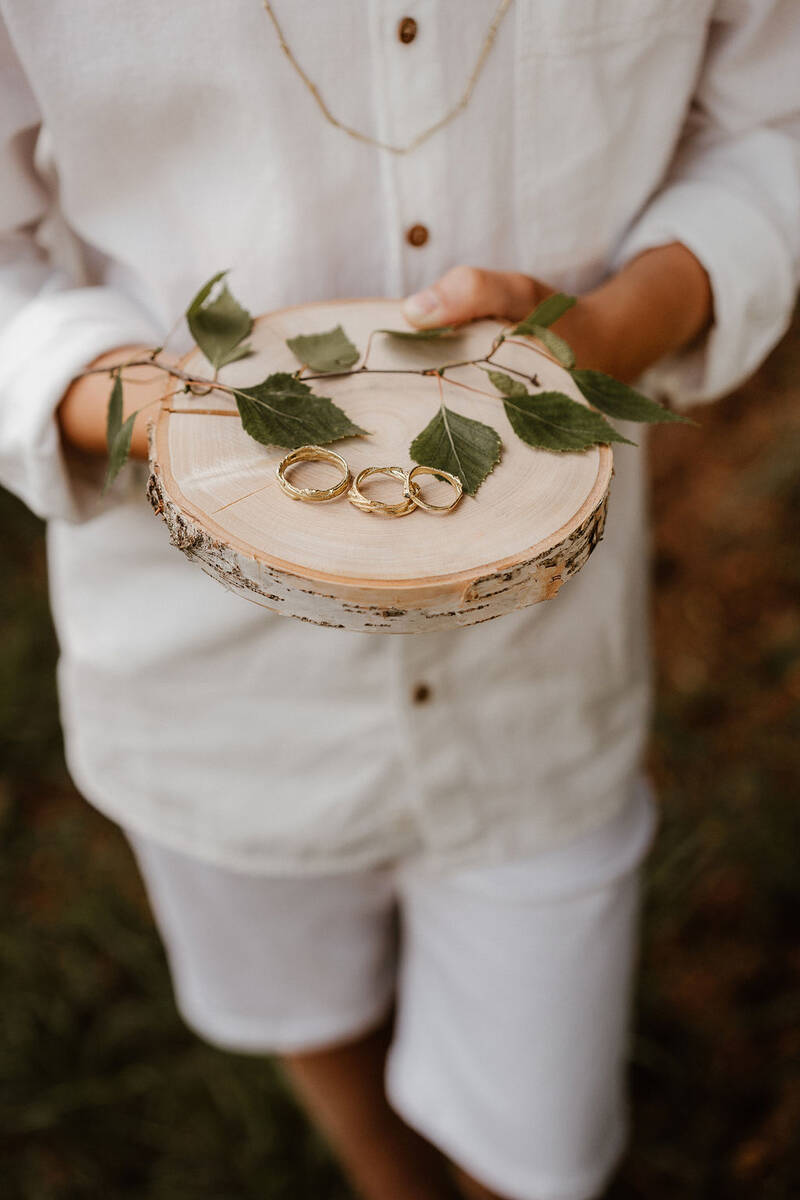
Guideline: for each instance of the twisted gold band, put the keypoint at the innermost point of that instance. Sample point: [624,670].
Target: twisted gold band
[313,454]
[400,509]
[412,496]
[411,490]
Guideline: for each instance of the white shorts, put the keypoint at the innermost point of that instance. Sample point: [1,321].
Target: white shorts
[512,986]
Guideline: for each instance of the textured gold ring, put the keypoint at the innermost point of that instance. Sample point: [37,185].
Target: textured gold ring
[313,454]
[355,496]
[411,490]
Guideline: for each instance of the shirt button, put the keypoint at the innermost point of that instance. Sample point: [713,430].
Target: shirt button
[421,693]
[417,235]
[407,30]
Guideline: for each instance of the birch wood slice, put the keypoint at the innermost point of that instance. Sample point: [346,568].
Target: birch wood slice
[533,523]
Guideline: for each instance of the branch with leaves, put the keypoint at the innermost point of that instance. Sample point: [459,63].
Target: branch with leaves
[283,410]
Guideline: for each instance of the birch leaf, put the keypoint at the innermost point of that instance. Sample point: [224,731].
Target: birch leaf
[283,411]
[618,400]
[219,326]
[560,349]
[119,450]
[239,353]
[331,351]
[114,417]
[205,292]
[421,335]
[546,313]
[506,385]
[466,448]
[553,421]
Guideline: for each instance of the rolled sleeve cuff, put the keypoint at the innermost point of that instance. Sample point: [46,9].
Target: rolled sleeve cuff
[42,349]
[752,282]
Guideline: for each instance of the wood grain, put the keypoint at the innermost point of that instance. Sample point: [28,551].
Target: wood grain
[531,525]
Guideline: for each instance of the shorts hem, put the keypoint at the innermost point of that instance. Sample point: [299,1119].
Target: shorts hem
[587,1185]
[231,1033]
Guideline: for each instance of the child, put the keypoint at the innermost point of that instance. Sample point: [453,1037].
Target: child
[298,797]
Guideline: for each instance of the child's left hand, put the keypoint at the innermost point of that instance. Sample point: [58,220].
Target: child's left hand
[657,303]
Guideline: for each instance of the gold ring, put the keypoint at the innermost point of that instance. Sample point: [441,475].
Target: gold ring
[412,492]
[313,454]
[355,496]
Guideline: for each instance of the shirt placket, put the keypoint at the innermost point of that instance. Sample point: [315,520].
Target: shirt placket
[407,87]
[440,792]
[407,42]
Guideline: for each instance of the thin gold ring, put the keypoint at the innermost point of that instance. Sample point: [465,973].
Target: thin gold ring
[412,492]
[313,454]
[356,497]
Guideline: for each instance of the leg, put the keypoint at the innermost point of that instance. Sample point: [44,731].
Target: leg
[342,1089]
[276,965]
[513,1005]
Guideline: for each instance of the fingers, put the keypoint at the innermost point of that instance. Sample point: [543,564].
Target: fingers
[466,293]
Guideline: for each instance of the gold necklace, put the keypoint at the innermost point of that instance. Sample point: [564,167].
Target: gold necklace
[461,104]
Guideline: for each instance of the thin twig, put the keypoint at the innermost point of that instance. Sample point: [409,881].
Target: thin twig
[468,387]
[204,412]
[175,372]
[134,382]
[539,349]
[533,379]
[209,385]
[363,366]
[372,371]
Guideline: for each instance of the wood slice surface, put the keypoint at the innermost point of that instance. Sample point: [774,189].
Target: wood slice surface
[533,522]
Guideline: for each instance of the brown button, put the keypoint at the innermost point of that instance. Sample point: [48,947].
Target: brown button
[421,693]
[407,30]
[417,235]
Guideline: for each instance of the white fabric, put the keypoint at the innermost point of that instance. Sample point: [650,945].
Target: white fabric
[182,142]
[511,982]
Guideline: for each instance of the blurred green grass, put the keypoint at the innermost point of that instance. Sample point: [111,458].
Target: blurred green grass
[103,1092]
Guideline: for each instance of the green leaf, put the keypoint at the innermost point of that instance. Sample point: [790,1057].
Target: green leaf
[219,325]
[560,349]
[505,384]
[119,449]
[331,351]
[240,352]
[204,293]
[283,411]
[118,436]
[546,312]
[457,444]
[553,421]
[421,335]
[114,417]
[618,400]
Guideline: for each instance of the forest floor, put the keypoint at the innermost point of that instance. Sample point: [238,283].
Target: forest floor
[104,1093]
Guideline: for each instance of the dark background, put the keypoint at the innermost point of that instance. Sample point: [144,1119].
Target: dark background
[103,1093]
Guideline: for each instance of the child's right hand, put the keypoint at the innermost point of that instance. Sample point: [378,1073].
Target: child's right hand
[83,410]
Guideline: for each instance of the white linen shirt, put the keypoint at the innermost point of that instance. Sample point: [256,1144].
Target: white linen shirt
[169,141]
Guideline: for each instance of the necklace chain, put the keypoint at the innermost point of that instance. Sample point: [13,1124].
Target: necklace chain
[458,107]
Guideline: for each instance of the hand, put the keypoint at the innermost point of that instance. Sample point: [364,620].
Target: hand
[657,303]
[83,410]
[467,293]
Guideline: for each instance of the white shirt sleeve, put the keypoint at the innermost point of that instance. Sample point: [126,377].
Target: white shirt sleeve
[732,196]
[49,329]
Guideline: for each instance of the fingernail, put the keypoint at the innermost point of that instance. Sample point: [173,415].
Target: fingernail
[422,306]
